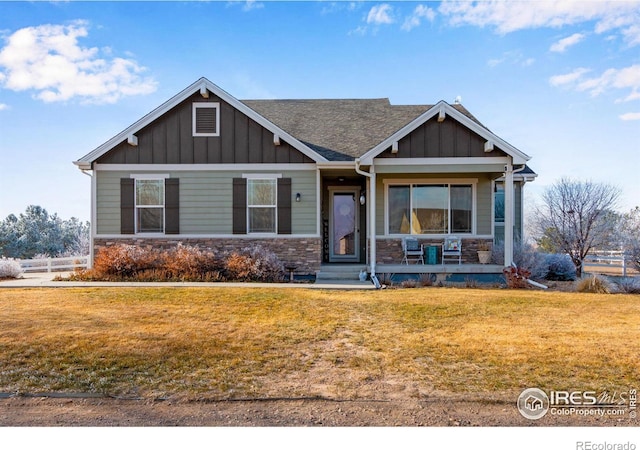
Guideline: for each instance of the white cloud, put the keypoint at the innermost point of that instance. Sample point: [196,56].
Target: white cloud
[507,17]
[49,60]
[563,44]
[3,106]
[250,5]
[414,20]
[627,78]
[250,88]
[630,116]
[568,78]
[514,57]
[380,15]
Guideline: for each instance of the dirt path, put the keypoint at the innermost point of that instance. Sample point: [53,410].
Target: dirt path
[105,412]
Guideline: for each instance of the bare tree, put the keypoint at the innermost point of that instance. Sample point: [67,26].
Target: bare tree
[576,217]
[629,231]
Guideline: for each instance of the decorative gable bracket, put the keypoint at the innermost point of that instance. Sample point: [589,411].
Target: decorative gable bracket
[132,140]
[441,114]
[488,146]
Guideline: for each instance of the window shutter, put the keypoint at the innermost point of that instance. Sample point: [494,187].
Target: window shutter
[127,206]
[172,206]
[239,206]
[284,205]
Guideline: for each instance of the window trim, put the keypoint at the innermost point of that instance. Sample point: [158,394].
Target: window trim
[267,177]
[149,177]
[198,105]
[473,182]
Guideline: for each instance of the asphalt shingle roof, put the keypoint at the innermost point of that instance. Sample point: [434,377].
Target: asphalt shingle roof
[341,129]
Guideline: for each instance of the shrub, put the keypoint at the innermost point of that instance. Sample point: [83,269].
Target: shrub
[409,283]
[524,255]
[595,285]
[629,285]
[10,268]
[516,278]
[188,263]
[634,254]
[123,260]
[556,267]
[254,264]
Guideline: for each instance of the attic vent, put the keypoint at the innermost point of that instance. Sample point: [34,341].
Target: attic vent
[206,119]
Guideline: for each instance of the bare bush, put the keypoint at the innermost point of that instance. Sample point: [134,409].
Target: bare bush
[10,268]
[595,284]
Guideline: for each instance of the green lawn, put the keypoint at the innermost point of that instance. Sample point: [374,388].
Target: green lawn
[236,343]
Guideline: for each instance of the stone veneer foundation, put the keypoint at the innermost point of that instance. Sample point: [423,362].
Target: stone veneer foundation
[303,253]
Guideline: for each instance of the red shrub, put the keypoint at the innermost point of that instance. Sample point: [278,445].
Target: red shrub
[516,278]
[124,261]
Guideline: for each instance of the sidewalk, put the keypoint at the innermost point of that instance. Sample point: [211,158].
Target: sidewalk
[45,280]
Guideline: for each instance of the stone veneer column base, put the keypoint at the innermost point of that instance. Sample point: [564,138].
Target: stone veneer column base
[303,253]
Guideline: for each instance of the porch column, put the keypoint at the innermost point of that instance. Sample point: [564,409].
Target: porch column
[372,218]
[508,213]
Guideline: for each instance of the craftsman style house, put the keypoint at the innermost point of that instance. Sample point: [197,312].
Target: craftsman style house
[316,181]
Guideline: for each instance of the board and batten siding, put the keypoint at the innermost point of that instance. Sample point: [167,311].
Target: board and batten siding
[447,139]
[206,200]
[483,209]
[170,140]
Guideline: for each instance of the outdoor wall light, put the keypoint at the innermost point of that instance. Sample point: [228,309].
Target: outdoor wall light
[298,197]
[363,199]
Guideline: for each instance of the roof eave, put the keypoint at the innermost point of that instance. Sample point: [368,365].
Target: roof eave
[441,109]
[201,85]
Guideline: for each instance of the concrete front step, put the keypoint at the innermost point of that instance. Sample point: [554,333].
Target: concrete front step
[340,272]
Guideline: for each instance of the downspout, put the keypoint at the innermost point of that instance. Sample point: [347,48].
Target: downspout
[371,175]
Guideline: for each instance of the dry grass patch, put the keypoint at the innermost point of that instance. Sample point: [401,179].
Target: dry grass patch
[231,343]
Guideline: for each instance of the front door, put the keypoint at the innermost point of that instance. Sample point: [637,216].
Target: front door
[343,225]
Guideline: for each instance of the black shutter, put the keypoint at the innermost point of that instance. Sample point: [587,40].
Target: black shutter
[127,206]
[239,206]
[284,205]
[172,206]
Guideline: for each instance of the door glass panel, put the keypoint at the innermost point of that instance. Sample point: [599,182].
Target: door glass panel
[344,224]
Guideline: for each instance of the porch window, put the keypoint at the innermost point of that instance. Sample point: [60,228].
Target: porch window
[430,208]
[149,206]
[498,202]
[261,205]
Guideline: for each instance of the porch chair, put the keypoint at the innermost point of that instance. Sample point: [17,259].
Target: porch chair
[412,250]
[452,249]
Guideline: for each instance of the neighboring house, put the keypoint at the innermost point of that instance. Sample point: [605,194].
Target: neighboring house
[316,181]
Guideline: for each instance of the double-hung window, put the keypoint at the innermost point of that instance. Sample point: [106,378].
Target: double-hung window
[422,208]
[149,205]
[262,205]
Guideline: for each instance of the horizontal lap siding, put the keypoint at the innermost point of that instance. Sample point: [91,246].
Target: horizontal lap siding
[205,201]
[108,202]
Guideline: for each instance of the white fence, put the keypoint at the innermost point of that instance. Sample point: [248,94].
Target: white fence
[54,264]
[609,262]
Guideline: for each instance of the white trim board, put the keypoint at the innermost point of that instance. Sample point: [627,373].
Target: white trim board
[204,236]
[202,167]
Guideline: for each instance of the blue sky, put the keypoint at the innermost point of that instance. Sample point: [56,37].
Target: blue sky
[558,80]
